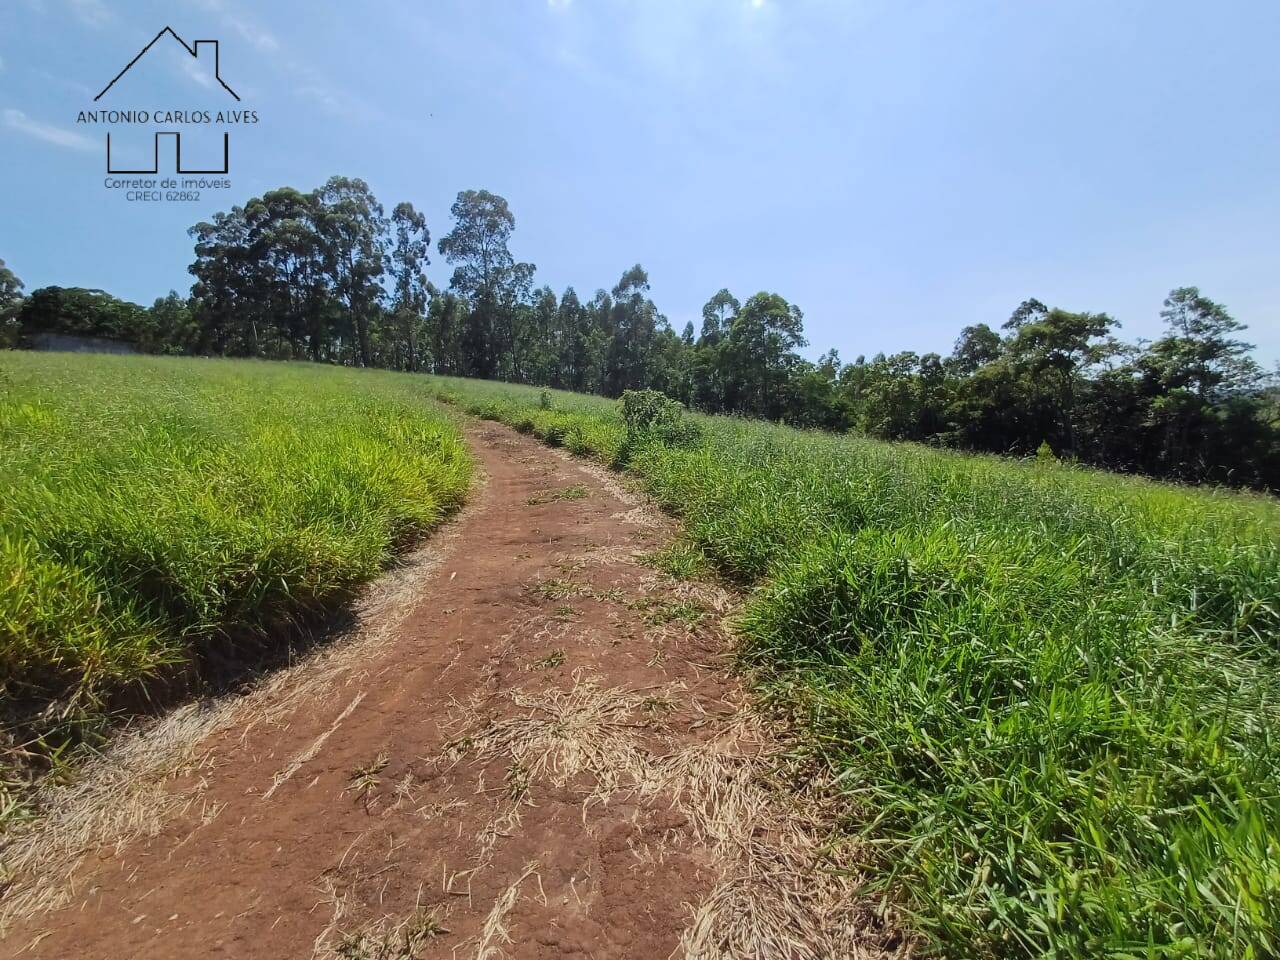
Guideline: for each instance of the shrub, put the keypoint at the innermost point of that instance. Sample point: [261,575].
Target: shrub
[651,415]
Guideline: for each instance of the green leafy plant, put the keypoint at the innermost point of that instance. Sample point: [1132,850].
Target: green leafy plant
[651,415]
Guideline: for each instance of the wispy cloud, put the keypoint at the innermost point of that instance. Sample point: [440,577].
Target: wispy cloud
[192,69]
[304,81]
[47,132]
[92,13]
[256,35]
[246,28]
[687,46]
[83,89]
[309,85]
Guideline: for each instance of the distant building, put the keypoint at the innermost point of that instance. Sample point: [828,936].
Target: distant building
[70,343]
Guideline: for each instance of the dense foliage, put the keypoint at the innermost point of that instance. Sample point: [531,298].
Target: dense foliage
[1048,694]
[10,304]
[326,275]
[162,516]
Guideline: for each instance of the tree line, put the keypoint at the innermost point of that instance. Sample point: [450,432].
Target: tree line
[328,276]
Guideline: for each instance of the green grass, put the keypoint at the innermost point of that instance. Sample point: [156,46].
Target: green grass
[164,518]
[1049,694]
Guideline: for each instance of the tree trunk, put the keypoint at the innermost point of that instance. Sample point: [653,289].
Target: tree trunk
[366,348]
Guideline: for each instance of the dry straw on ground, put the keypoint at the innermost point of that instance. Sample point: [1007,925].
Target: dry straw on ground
[783,888]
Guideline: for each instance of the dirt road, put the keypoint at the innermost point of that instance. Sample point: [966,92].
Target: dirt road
[529,747]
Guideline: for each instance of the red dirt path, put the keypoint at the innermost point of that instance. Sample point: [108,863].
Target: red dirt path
[534,749]
[531,599]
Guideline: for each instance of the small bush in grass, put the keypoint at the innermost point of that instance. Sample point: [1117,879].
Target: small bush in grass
[651,415]
[575,442]
[682,560]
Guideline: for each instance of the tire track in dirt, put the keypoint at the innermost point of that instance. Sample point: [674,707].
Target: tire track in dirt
[534,750]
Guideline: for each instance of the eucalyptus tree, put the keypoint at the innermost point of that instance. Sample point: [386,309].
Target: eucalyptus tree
[759,351]
[407,262]
[485,275]
[717,316]
[286,253]
[976,346]
[634,321]
[352,225]
[581,344]
[540,339]
[445,318]
[227,301]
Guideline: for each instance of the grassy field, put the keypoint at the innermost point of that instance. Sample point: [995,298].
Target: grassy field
[163,519]
[1049,694]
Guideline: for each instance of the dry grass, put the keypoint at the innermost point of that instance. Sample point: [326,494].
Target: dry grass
[784,888]
[562,734]
[494,935]
[551,660]
[123,794]
[390,939]
[306,756]
[787,887]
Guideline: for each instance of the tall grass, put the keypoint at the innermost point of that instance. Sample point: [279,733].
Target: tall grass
[163,517]
[1049,694]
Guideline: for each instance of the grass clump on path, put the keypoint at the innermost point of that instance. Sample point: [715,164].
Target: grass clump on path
[164,517]
[1050,694]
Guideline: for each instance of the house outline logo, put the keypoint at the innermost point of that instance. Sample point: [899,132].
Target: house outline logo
[192,49]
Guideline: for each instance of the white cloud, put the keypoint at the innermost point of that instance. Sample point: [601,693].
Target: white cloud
[83,89]
[258,36]
[336,102]
[47,132]
[255,34]
[92,13]
[192,68]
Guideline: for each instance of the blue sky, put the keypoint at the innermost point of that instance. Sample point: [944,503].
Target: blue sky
[897,168]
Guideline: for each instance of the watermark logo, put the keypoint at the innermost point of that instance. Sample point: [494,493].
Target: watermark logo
[163,152]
